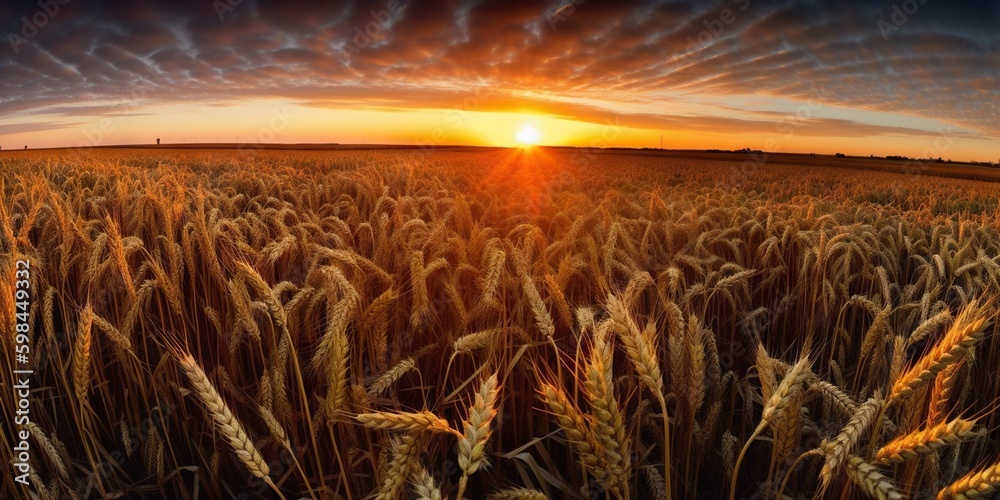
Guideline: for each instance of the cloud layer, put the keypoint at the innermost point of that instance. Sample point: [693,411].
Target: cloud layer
[926,58]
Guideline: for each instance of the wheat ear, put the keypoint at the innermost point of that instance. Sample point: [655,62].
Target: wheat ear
[780,399]
[871,480]
[543,320]
[406,449]
[839,448]
[929,326]
[472,445]
[412,423]
[225,421]
[656,483]
[81,355]
[575,427]
[335,348]
[963,334]
[517,494]
[835,396]
[940,397]
[786,390]
[976,484]
[476,340]
[50,449]
[641,350]
[390,377]
[926,441]
[424,485]
[273,425]
[609,425]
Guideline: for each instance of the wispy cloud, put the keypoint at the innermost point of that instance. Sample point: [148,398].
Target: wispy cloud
[942,63]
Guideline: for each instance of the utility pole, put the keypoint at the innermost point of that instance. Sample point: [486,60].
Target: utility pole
[661,141]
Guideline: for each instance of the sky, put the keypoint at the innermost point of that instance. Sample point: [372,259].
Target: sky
[918,78]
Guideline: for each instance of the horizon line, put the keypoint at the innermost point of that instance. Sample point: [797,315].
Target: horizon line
[329,146]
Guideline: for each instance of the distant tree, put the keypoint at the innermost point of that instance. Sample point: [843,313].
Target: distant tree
[157,141]
[841,155]
[26,146]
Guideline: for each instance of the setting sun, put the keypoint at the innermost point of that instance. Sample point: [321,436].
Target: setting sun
[527,136]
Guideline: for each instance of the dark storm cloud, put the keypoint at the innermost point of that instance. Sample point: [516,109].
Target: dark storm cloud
[929,58]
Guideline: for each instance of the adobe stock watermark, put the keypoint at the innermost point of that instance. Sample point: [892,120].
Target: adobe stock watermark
[95,135]
[375,29]
[280,120]
[48,9]
[456,118]
[787,126]
[715,27]
[915,167]
[900,15]
[560,11]
[225,7]
[610,132]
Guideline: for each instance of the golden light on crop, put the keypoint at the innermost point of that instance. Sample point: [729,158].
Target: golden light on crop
[528,136]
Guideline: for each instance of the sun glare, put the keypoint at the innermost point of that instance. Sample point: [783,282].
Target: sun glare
[527,136]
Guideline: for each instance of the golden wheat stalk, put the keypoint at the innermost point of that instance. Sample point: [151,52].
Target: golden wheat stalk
[641,350]
[334,353]
[421,306]
[543,320]
[609,425]
[926,441]
[42,491]
[781,399]
[577,431]
[273,425]
[472,444]
[517,494]
[640,346]
[405,451]
[494,273]
[424,485]
[49,311]
[385,381]
[789,387]
[977,484]
[121,342]
[81,355]
[835,396]
[963,334]
[941,394]
[694,346]
[375,320]
[477,340]
[339,314]
[871,480]
[50,449]
[840,447]
[265,292]
[412,423]
[927,327]
[227,423]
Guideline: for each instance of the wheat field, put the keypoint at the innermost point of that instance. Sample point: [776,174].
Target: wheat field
[509,324]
